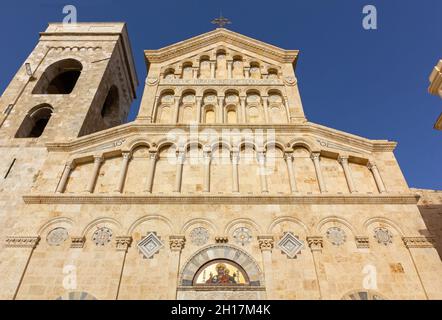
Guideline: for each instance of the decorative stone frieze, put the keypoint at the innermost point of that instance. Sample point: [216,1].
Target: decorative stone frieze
[22,241]
[362,242]
[78,242]
[221,239]
[419,242]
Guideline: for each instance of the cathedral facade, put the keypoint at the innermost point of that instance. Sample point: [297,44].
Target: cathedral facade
[220,189]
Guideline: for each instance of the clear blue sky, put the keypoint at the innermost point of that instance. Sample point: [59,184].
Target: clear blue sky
[369,83]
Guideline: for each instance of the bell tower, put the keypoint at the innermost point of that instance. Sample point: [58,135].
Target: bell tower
[79,79]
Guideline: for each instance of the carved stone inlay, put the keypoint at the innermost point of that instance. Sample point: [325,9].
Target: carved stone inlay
[362,242]
[419,242]
[22,241]
[383,235]
[336,236]
[290,244]
[177,243]
[242,235]
[102,236]
[150,245]
[57,236]
[199,236]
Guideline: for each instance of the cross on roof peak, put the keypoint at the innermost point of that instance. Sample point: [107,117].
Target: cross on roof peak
[221,21]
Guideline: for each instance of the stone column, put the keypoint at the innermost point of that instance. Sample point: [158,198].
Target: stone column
[122,244]
[377,177]
[316,243]
[243,109]
[262,172]
[315,158]
[65,176]
[247,72]
[123,172]
[195,72]
[176,243]
[235,179]
[266,243]
[176,110]
[289,162]
[207,160]
[229,69]
[344,162]
[287,110]
[179,170]
[98,160]
[199,101]
[212,69]
[153,156]
[265,104]
[153,116]
[221,109]
[27,245]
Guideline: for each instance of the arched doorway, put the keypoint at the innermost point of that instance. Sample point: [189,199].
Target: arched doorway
[221,272]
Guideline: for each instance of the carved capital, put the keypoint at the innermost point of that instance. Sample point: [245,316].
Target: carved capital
[371,165]
[127,155]
[315,243]
[77,242]
[221,239]
[22,241]
[419,242]
[98,159]
[266,243]
[177,243]
[122,243]
[343,159]
[362,242]
[315,156]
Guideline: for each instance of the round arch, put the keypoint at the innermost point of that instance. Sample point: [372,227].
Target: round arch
[221,252]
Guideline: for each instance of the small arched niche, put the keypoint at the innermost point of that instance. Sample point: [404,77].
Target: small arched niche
[35,122]
[59,78]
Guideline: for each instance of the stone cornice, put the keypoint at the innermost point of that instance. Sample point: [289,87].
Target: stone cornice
[138,127]
[220,199]
[221,35]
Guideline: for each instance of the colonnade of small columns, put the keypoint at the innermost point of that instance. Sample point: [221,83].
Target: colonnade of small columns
[220,105]
[207,160]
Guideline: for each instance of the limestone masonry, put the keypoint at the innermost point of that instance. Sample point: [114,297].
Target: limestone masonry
[220,189]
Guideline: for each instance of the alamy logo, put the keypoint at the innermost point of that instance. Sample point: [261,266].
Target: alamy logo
[370,280]
[71,14]
[370,20]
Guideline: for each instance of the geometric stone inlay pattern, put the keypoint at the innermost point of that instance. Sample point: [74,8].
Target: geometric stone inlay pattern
[150,245]
[199,236]
[383,235]
[242,235]
[57,236]
[102,236]
[290,244]
[336,236]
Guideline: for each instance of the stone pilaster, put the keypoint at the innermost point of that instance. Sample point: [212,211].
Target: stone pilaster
[348,176]
[98,160]
[176,243]
[315,157]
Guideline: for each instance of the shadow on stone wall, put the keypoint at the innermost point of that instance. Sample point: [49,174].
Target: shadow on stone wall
[432,215]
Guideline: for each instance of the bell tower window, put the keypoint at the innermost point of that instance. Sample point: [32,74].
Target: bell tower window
[35,122]
[59,78]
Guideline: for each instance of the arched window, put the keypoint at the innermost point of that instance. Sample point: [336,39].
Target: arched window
[231,116]
[35,122]
[169,74]
[59,78]
[209,115]
[110,111]
[221,273]
[272,74]
[255,71]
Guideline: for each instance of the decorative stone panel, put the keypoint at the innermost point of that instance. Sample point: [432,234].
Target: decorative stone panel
[22,241]
[150,245]
[419,242]
[290,244]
